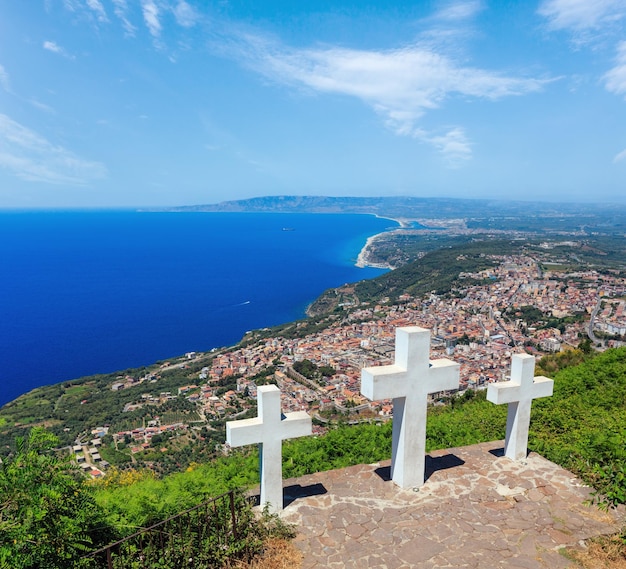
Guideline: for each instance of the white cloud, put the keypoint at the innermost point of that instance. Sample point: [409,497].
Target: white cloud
[51,46]
[400,85]
[459,11]
[98,9]
[72,5]
[186,15]
[453,146]
[616,77]
[582,15]
[151,17]
[55,48]
[120,9]
[31,157]
[620,157]
[4,80]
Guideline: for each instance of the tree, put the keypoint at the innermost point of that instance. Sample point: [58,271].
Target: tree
[306,367]
[585,346]
[327,371]
[48,518]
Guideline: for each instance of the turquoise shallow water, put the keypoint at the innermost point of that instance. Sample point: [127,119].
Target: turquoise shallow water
[95,292]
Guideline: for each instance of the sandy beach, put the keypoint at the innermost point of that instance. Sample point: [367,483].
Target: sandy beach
[363,259]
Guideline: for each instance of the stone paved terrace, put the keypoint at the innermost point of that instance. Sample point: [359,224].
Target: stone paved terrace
[477,509]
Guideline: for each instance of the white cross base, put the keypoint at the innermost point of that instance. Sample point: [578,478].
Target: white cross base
[408,382]
[269,429]
[519,393]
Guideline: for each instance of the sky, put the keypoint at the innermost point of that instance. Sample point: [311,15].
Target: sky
[135,103]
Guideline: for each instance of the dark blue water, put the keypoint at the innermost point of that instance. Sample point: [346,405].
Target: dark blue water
[95,292]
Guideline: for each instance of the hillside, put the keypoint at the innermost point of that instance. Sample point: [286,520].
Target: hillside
[580,427]
[436,271]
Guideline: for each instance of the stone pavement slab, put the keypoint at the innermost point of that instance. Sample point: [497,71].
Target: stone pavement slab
[477,509]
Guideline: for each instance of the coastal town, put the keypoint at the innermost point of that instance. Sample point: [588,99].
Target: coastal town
[519,306]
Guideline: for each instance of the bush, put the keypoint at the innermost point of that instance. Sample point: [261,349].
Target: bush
[47,514]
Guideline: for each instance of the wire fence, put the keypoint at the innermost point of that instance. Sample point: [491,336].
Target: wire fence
[202,537]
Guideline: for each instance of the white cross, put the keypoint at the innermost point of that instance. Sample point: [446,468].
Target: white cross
[269,429]
[408,382]
[519,393]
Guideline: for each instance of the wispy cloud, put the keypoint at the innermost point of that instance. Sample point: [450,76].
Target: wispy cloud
[185,14]
[4,80]
[592,22]
[72,5]
[98,9]
[400,85]
[41,106]
[453,146]
[615,79]
[120,9]
[51,46]
[56,48]
[151,17]
[152,11]
[31,157]
[585,19]
[621,157]
[459,11]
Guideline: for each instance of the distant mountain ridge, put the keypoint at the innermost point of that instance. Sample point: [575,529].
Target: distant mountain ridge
[404,206]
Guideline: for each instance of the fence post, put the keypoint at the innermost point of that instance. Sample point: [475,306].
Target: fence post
[231,495]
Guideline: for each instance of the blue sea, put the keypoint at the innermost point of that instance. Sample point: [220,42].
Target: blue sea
[95,292]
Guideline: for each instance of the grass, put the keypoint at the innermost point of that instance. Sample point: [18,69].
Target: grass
[278,553]
[79,390]
[170,417]
[604,552]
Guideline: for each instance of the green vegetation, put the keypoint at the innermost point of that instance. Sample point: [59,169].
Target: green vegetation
[68,409]
[550,364]
[48,516]
[312,371]
[399,248]
[221,532]
[581,428]
[437,271]
[51,518]
[588,406]
[535,317]
[602,252]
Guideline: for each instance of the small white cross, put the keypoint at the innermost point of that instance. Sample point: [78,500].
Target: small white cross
[408,382]
[519,393]
[269,429]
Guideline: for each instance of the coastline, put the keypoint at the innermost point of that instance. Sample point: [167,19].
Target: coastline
[363,258]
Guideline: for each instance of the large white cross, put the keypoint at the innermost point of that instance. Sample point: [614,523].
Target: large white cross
[408,382]
[269,429]
[519,393]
